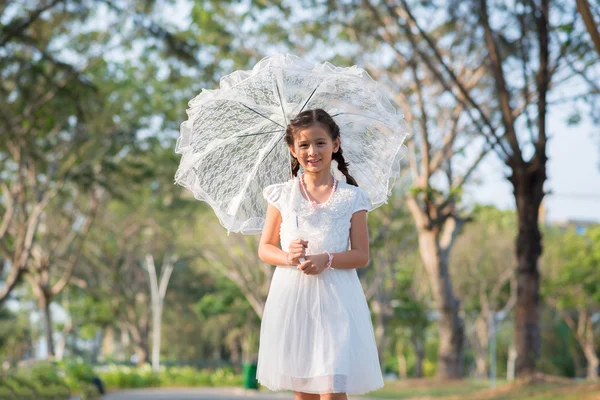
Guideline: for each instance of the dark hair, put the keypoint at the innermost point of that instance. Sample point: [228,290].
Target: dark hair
[312,117]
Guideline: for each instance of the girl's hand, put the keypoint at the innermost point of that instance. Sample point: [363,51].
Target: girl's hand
[297,250]
[314,264]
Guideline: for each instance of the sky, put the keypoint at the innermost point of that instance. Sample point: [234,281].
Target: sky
[573,174]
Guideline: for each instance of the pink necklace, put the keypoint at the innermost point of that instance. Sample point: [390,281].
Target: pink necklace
[313,204]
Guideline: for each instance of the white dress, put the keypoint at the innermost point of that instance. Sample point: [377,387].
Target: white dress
[316,333]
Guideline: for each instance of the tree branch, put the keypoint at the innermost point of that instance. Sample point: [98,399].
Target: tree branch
[592,27]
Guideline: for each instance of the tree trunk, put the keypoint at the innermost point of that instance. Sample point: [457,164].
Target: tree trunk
[45,306]
[510,363]
[140,340]
[402,366]
[380,338]
[142,355]
[592,362]
[590,351]
[156,336]
[482,347]
[528,188]
[419,356]
[450,325]
[108,343]
[578,362]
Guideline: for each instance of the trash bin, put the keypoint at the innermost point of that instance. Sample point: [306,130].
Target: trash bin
[249,373]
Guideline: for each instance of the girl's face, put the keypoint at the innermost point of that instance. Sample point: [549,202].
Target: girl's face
[314,148]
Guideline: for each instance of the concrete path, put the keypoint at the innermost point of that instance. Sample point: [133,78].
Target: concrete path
[201,394]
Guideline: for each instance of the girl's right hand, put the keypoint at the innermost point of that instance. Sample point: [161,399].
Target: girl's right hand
[297,250]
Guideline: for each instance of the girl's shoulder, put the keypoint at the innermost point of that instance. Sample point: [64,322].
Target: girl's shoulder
[277,193]
[358,197]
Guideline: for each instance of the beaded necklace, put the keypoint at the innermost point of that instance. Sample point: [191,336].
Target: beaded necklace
[313,204]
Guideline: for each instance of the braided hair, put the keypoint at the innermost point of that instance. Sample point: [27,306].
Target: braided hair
[311,117]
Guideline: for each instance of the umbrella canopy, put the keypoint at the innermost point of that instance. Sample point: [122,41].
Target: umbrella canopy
[233,144]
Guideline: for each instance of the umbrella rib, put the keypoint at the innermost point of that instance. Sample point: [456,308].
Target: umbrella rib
[280,101]
[272,148]
[251,109]
[256,133]
[254,169]
[230,138]
[310,97]
[360,115]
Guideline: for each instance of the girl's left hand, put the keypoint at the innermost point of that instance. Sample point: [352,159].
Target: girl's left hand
[314,264]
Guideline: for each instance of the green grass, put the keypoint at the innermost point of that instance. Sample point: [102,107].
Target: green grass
[415,388]
[430,389]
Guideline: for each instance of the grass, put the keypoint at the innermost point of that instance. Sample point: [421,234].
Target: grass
[540,388]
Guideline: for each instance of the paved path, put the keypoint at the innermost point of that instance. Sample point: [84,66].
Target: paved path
[202,394]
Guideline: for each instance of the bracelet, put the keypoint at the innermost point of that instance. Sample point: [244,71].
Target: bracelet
[330,260]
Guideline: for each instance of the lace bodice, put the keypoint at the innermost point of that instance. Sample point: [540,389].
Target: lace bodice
[325,229]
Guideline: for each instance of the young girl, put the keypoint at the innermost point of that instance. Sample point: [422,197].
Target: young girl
[316,334]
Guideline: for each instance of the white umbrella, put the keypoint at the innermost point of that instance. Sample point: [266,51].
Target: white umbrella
[233,145]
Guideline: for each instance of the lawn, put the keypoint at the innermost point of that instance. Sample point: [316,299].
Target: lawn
[542,388]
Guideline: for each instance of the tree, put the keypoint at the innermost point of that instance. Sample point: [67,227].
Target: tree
[525,66]
[484,278]
[158,289]
[391,237]
[411,315]
[55,254]
[236,257]
[57,127]
[572,286]
[590,24]
[229,322]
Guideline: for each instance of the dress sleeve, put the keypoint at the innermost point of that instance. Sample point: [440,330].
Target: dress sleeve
[361,201]
[272,194]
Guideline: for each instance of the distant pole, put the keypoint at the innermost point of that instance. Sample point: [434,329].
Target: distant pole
[493,349]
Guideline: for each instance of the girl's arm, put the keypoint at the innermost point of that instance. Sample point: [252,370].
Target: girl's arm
[268,248]
[356,257]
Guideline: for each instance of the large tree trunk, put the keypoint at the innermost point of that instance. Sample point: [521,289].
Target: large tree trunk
[528,182]
[451,328]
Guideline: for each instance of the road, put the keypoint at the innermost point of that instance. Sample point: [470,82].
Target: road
[201,394]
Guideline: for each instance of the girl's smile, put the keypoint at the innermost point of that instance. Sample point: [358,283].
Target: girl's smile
[314,148]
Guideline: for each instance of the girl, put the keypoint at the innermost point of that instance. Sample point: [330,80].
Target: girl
[316,334]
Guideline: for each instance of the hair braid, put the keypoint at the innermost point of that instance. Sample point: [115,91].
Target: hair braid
[343,167]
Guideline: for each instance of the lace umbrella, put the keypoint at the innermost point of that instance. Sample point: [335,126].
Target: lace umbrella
[233,146]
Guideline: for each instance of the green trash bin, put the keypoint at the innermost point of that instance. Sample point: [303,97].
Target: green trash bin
[249,373]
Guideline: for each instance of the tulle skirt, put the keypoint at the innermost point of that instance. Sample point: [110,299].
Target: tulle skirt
[316,334]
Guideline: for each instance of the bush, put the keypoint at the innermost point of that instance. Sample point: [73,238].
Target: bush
[46,380]
[22,387]
[122,377]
